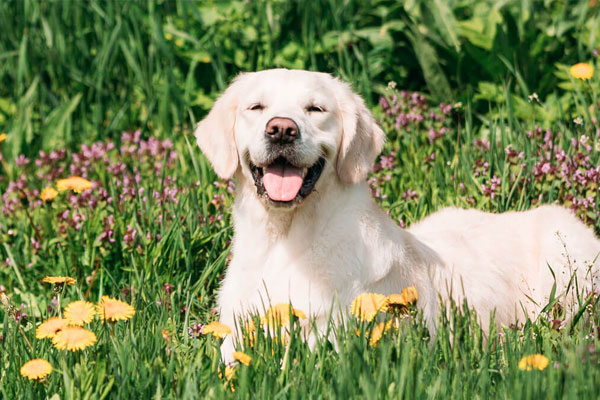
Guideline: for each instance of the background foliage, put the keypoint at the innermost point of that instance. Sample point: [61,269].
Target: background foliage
[110,90]
[74,70]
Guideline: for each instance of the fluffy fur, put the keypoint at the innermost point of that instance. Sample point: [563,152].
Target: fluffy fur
[320,252]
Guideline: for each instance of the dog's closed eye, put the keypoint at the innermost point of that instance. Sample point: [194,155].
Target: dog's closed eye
[256,107]
[314,108]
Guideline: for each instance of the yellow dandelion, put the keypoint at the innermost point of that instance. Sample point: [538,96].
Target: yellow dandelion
[399,302]
[248,326]
[537,361]
[74,338]
[279,314]
[59,280]
[114,310]
[3,137]
[178,42]
[242,357]
[410,295]
[583,71]
[168,36]
[229,371]
[165,335]
[48,194]
[376,333]
[36,369]
[75,183]
[217,329]
[249,331]
[50,327]
[80,312]
[367,305]
[396,299]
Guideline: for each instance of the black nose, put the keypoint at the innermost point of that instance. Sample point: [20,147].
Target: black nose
[281,130]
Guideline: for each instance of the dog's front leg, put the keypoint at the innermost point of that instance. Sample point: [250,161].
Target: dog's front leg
[228,348]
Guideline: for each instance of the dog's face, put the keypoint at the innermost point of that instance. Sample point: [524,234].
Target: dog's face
[287,131]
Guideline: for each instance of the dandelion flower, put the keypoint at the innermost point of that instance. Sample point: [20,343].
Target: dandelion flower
[583,71]
[376,333]
[114,310]
[166,335]
[75,183]
[399,302]
[279,314]
[537,361]
[59,280]
[217,329]
[249,331]
[410,294]
[79,312]
[36,369]
[74,338]
[248,326]
[242,357]
[367,305]
[48,194]
[50,327]
[229,371]
[396,299]
[3,137]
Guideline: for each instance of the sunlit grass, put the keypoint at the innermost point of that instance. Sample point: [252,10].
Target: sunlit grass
[147,229]
[153,232]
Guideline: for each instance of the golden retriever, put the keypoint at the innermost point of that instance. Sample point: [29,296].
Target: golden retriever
[306,230]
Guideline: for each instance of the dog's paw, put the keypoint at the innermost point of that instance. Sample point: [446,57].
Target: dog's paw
[227,350]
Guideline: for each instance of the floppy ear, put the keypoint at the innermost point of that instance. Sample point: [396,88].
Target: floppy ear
[362,139]
[214,134]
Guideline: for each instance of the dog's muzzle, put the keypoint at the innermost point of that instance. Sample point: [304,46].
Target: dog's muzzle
[284,183]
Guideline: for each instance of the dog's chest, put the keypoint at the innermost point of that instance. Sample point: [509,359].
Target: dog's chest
[305,275]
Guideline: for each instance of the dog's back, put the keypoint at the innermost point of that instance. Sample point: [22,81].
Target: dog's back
[502,262]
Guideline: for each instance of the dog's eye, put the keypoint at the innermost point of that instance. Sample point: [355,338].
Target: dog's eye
[256,107]
[314,108]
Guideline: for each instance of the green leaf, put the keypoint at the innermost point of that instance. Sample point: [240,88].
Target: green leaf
[436,80]
[446,23]
[54,134]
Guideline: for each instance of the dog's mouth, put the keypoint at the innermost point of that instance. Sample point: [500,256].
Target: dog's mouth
[284,183]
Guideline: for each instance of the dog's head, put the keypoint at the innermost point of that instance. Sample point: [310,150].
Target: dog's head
[287,131]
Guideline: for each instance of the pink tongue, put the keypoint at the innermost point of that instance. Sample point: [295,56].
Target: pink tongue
[283,182]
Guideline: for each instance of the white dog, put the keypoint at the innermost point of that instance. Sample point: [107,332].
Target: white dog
[300,145]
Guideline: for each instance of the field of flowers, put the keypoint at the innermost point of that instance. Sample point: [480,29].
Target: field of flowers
[115,232]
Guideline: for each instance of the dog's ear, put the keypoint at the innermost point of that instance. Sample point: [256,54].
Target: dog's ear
[214,134]
[362,139]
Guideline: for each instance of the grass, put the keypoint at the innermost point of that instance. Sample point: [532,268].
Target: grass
[99,67]
[181,239]
[154,230]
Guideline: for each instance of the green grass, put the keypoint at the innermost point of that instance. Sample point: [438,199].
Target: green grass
[74,71]
[77,73]
[154,356]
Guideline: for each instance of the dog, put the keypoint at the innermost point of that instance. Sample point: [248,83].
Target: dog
[306,230]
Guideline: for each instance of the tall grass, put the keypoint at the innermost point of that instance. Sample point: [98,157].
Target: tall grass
[181,239]
[155,228]
[73,70]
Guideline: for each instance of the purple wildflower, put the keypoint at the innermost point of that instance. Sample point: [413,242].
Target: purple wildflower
[129,236]
[195,329]
[167,287]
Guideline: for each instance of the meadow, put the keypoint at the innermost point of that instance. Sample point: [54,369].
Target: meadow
[482,108]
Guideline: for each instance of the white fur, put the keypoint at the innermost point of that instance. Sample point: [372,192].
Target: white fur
[337,243]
